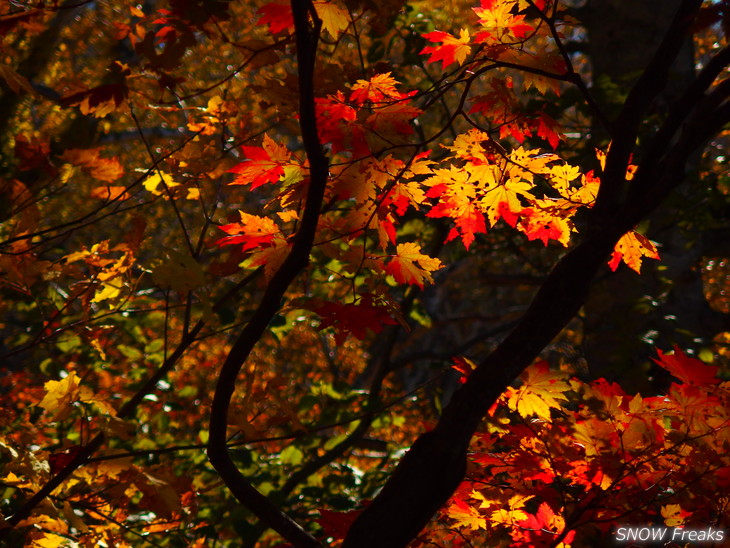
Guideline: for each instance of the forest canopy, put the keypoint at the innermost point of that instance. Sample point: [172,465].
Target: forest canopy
[356,273]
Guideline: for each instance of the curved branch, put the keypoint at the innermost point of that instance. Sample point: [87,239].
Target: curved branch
[307,36]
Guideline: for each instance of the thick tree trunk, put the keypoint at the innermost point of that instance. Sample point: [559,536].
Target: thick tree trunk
[626,315]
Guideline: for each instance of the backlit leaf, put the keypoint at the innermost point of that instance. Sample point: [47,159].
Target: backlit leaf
[411,266]
[630,249]
[541,390]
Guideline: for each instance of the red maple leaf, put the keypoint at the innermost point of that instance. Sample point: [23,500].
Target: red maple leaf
[354,319]
[59,461]
[336,524]
[686,369]
[547,128]
[277,16]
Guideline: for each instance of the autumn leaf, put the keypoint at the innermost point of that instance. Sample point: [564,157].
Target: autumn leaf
[110,193]
[505,196]
[252,231]
[498,24]
[336,524]
[465,515]
[33,153]
[549,129]
[104,99]
[265,164]
[58,461]
[91,161]
[15,81]
[452,50]
[354,319]
[541,390]
[61,395]
[673,515]
[464,366]
[687,369]
[548,220]
[630,249]
[545,518]
[380,88]
[278,16]
[411,266]
[335,18]
[515,511]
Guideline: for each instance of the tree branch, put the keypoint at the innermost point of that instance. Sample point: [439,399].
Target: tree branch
[625,127]
[307,36]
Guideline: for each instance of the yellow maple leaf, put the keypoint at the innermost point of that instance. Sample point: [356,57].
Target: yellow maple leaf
[61,395]
[507,194]
[541,390]
[470,145]
[674,515]
[152,183]
[630,249]
[562,175]
[466,516]
[514,513]
[334,18]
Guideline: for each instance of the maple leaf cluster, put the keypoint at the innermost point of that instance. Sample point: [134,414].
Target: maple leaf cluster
[559,457]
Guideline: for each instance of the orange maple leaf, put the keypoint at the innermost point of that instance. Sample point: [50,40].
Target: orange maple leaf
[90,160]
[466,516]
[380,88]
[253,232]
[265,164]
[453,50]
[411,266]
[498,23]
[631,248]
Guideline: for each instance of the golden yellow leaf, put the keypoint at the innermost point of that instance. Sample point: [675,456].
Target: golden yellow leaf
[335,19]
[514,513]
[153,182]
[541,390]
[466,516]
[673,515]
[507,194]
